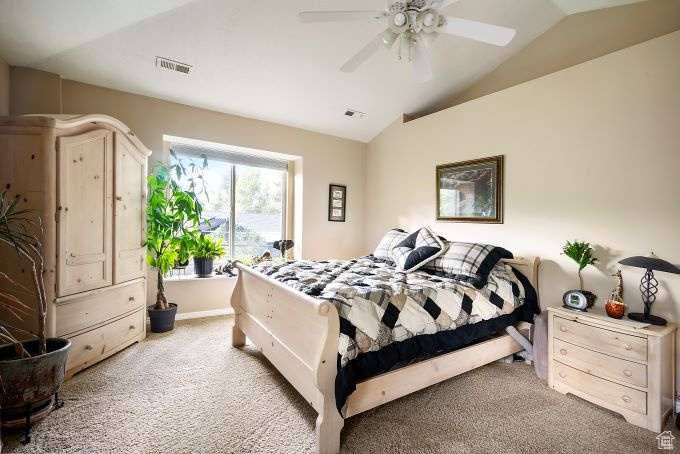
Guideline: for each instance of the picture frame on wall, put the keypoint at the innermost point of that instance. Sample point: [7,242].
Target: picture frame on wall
[337,202]
[471,191]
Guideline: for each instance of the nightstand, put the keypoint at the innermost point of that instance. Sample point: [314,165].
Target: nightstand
[620,365]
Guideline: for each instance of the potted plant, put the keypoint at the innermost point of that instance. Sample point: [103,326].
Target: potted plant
[31,371]
[173,217]
[582,253]
[205,251]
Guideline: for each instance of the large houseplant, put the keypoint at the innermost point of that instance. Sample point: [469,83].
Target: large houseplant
[173,217]
[31,371]
[205,251]
[582,253]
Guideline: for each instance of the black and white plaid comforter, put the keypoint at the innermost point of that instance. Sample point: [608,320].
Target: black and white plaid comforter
[388,316]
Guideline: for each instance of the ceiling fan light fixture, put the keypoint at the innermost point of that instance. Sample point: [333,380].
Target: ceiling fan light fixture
[427,38]
[399,22]
[428,20]
[388,38]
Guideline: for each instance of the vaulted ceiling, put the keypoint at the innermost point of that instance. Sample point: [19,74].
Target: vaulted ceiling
[254,58]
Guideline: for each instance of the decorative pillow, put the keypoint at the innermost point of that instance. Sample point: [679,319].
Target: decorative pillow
[469,262]
[391,239]
[417,249]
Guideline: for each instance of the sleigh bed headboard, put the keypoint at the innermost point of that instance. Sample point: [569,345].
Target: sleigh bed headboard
[528,266]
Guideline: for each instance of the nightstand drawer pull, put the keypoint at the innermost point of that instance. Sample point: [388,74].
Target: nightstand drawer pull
[627,347]
[132,327]
[563,329]
[563,351]
[563,374]
[627,373]
[626,399]
[89,347]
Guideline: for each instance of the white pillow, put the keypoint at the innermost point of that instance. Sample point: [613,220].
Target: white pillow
[391,239]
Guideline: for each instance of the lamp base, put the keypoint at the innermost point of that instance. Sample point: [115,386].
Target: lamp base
[653,319]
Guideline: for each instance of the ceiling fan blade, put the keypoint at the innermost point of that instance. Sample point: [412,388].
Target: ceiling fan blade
[339,16]
[421,64]
[363,55]
[479,31]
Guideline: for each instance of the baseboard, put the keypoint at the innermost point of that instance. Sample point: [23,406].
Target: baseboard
[202,314]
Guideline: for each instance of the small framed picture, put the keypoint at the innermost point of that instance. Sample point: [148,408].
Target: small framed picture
[337,202]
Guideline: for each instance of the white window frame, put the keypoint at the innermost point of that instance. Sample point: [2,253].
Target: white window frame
[233,159]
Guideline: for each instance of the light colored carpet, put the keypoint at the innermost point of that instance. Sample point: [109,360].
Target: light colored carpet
[188,391]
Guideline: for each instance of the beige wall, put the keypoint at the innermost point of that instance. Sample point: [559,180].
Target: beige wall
[325,160]
[34,91]
[576,39]
[592,152]
[4,87]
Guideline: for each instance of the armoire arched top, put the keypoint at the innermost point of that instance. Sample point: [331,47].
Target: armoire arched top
[66,121]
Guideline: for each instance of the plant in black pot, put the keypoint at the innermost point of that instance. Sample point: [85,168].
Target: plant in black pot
[582,253]
[173,217]
[31,371]
[205,251]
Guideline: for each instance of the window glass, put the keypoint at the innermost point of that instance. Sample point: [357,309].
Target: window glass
[259,199]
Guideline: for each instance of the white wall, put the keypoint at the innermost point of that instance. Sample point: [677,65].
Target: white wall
[592,152]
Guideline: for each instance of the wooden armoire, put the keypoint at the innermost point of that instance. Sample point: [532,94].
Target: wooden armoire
[85,177]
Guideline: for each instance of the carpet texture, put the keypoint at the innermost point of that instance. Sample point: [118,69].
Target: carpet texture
[189,391]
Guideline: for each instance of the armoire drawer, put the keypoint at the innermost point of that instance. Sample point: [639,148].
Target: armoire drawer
[87,347]
[605,390]
[608,341]
[77,313]
[599,364]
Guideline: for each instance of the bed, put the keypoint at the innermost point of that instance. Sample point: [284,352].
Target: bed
[299,334]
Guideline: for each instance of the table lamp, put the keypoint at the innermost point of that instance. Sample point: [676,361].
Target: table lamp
[648,285]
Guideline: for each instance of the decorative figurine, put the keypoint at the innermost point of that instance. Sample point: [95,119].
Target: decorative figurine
[614,306]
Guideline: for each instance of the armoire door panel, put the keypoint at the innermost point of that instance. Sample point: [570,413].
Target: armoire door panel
[84,211]
[130,211]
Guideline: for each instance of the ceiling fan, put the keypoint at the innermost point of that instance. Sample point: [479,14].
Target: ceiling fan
[415,24]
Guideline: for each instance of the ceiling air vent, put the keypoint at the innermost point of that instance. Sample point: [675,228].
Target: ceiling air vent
[354,113]
[172,65]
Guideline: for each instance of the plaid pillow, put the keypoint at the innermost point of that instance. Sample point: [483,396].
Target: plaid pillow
[391,239]
[417,249]
[468,262]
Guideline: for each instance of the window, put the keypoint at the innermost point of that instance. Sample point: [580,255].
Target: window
[245,200]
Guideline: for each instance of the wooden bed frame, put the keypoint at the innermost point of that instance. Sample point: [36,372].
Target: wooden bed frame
[299,335]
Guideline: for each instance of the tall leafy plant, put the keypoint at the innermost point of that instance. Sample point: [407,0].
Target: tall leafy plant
[582,253]
[17,227]
[174,213]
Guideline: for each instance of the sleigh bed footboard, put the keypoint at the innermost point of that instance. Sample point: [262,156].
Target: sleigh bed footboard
[299,335]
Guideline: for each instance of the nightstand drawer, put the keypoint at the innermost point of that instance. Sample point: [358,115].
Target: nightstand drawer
[599,388]
[604,340]
[599,364]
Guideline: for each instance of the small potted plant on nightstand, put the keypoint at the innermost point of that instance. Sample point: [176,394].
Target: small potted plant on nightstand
[582,253]
[205,251]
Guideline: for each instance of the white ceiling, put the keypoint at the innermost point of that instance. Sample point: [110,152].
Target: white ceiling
[254,58]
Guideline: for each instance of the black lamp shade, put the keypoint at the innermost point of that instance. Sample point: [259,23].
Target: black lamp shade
[650,262]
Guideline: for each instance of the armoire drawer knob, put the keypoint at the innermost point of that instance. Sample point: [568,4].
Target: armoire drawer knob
[132,298]
[119,198]
[89,347]
[563,375]
[132,327]
[563,329]
[627,347]
[627,373]
[563,351]
[626,399]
